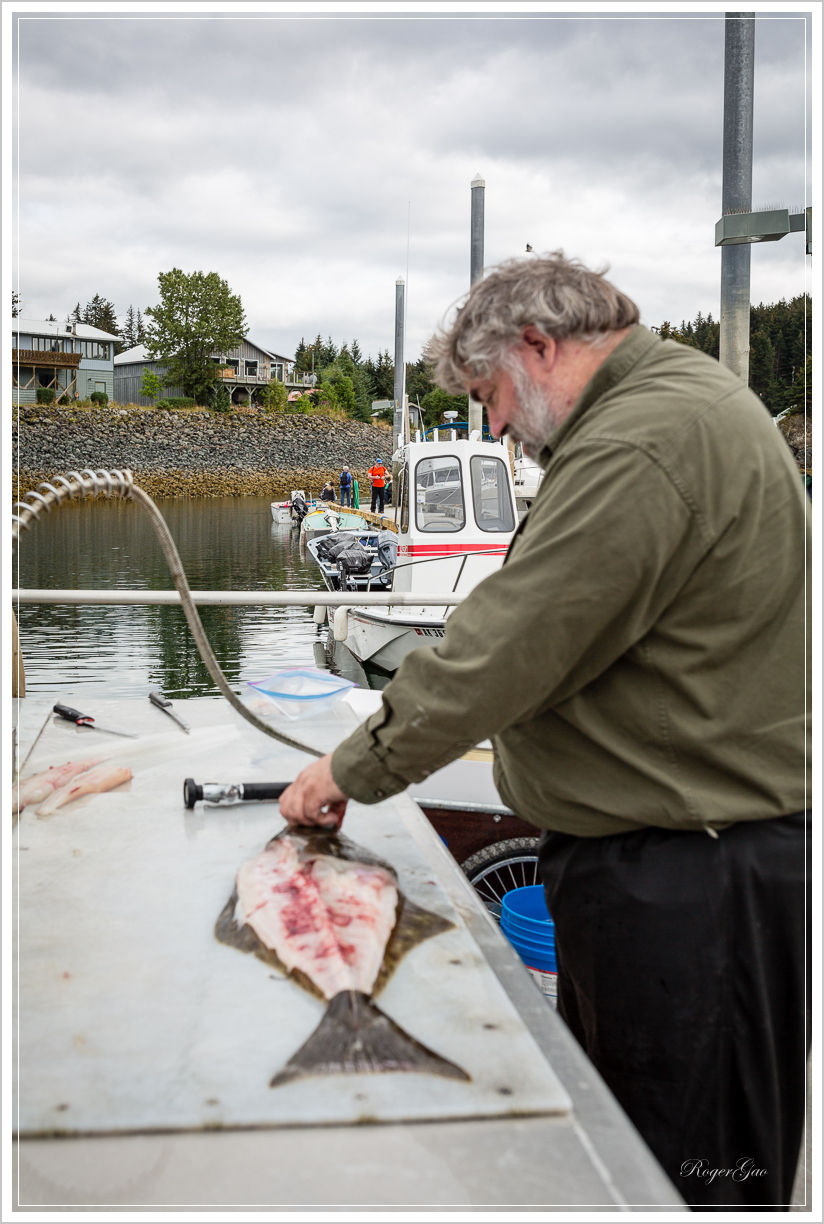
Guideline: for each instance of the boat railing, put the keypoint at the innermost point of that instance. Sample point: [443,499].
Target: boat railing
[244,599]
[486,552]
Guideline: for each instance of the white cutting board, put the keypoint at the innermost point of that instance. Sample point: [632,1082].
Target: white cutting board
[133,1017]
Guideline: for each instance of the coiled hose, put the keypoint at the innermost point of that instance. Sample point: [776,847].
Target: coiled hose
[115,483]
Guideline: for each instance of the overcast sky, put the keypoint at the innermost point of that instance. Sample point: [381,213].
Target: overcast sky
[286,153]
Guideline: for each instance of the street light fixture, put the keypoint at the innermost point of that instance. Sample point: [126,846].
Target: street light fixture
[769,225]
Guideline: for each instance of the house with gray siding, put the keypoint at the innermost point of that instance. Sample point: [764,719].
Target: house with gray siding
[73,359]
[245,372]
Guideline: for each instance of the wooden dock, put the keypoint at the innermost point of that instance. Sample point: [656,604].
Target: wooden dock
[383,521]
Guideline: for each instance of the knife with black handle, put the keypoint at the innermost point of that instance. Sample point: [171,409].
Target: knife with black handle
[88,720]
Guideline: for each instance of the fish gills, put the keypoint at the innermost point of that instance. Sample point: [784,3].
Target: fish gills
[356,1037]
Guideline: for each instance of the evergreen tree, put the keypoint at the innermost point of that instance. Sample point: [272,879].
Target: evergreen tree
[77,314]
[15,304]
[780,348]
[128,334]
[100,313]
[762,368]
[141,329]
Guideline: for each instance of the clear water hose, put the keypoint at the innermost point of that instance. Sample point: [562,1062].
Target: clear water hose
[116,483]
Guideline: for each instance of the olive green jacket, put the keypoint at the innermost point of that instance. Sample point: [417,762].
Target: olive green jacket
[640,657]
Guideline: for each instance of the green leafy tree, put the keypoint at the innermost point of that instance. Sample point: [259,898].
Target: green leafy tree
[345,392]
[152,385]
[221,400]
[198,315]
[437,401]
[275,397]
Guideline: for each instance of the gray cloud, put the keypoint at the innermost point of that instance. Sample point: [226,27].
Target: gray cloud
[284,154]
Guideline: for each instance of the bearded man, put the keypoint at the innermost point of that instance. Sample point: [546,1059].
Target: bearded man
[639,664]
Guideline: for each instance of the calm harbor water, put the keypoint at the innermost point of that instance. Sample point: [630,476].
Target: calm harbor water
[224,544]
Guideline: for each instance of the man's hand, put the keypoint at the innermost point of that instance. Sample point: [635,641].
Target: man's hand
[314,798]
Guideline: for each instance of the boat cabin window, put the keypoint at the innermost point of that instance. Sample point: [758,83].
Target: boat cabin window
[490,494]
[439,501]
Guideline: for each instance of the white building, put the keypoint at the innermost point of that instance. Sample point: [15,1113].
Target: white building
[73,359]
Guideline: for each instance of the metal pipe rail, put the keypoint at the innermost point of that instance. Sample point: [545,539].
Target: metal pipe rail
[264,599]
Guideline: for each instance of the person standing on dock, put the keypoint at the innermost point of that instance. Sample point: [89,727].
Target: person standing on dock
[640,663]
[327,493]
[378,474]
[345,482]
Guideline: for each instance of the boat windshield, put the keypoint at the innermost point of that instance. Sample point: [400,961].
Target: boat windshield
[490,494]
[439,500]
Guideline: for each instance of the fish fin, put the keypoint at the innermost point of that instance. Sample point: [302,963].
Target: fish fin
[413,925]
[356,1037]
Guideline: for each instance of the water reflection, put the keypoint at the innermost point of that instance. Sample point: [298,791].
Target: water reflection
[224,544]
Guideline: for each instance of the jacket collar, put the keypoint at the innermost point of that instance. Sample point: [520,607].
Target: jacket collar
[617,365]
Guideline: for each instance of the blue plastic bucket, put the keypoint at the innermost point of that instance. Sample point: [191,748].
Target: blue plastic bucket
[527,925]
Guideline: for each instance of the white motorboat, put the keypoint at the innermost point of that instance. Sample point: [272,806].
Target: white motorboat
[456,517]
[284,512]
[328,517]
[528,475]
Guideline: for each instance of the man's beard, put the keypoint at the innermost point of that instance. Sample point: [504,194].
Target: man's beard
[536,416]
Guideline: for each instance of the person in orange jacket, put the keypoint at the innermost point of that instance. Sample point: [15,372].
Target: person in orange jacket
[378,474]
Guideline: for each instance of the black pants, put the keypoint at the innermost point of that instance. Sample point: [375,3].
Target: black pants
[378,494]
[683,971]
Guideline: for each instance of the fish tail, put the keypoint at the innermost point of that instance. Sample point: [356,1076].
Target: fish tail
[355,1037]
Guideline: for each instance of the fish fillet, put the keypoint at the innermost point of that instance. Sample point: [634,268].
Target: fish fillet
[41,785]
[92,782]
[327,917]
[361,902]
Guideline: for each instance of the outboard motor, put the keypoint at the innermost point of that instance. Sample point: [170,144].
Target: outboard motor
[354,559]
[299,509]
[387,549]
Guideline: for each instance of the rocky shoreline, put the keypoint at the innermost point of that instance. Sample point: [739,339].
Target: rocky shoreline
[189,453]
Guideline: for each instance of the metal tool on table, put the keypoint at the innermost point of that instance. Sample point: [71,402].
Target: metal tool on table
[163,703]
[227,793]
[88,720]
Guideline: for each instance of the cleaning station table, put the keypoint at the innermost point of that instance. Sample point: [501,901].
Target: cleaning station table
[145,1047]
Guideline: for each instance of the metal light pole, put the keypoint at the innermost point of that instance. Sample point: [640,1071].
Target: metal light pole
[736,194]
[400,368]
[475,414]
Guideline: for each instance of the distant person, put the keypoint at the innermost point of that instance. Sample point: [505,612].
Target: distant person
[345,482]
[378,474]
[327,493]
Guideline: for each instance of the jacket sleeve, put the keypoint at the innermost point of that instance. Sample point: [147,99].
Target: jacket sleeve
[608,543]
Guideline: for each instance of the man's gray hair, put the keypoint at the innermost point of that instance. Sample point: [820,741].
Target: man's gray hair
[559,296]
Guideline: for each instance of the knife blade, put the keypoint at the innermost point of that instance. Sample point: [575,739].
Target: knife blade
[163,703]
[88,720]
